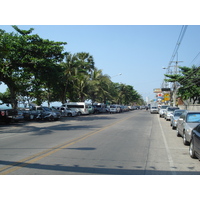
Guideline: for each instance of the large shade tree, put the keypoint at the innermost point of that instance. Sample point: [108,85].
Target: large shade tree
[28,62]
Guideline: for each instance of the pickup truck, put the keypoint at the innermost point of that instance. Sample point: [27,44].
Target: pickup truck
[7,113]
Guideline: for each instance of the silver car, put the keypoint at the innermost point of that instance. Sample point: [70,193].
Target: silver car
[186,122]
[162,110]
[67,112]
[174,117]
[169,111]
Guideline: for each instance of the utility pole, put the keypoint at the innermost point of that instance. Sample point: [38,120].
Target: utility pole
[175,83]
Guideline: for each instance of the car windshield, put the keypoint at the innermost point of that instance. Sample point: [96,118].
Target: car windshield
[177,114]
[5,106]
[193,118]
[46,109]
[172,109]
[112,106]
[163,107]
[154,107]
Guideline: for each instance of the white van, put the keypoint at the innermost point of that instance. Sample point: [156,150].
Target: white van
[154,109]
[114,109]
[80,107]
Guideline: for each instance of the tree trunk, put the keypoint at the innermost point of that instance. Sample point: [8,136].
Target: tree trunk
[13,96]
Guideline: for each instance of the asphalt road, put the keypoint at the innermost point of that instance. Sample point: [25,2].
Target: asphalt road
[130,143]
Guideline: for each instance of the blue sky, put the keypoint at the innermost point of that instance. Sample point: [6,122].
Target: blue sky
[139,52]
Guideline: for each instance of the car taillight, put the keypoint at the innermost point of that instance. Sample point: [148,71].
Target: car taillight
[3,113]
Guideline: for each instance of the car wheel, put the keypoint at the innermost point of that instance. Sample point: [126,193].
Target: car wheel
[185,142]
[51,118]
[177,133]
[191,149]
[69,114]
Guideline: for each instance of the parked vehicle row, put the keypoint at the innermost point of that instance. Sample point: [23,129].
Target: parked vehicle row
[71,109]
[187,125]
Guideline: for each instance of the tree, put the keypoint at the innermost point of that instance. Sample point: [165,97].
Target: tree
[28,59]
[188,83]
[98,90]
[5,97]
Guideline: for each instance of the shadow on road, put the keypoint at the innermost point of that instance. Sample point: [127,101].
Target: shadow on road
[100,170]
[45,127]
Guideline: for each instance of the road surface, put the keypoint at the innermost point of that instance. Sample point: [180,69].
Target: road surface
[129,143]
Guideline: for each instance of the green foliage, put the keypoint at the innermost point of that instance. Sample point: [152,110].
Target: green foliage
[189,84]
[27,62]
[38,70]
[5,97]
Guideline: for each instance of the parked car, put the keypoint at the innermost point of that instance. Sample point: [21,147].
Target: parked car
[7,113]
[186,122]
[169,111]
[174,117]
[44,113]
[19,116]
[80,107]
[142,107]
[153,109]
[194,149]
[115,109]
[67,112]
[99,108]
[91,109]
[162,110]
[135,107]
[54,112]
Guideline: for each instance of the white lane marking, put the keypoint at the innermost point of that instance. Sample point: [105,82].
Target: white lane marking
[171,162]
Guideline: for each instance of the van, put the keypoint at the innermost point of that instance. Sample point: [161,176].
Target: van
[154,109]
[80,107]
[115,109]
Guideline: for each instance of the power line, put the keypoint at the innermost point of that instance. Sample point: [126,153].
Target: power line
[180,38]
[178,43]
[194,58]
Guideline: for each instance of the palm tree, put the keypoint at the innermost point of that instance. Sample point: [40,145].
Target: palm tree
[85,62]
[84,68]
[99,86]
[67,75]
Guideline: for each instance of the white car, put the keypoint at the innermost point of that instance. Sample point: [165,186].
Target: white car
[154,109]
[67,112]
[114,109]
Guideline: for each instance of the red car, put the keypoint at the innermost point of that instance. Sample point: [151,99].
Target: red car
[7,113]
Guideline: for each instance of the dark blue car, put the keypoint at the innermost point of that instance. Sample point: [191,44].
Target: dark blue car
[194,149]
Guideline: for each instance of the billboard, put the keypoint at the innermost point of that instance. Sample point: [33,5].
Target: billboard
[166,97]
[165,89]
[157,90]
